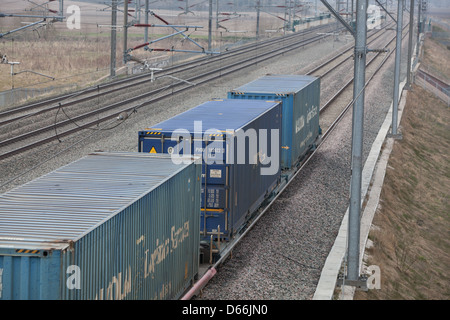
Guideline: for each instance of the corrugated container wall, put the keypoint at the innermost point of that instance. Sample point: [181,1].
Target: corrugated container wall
[108,226]
[239,144]
[300,96]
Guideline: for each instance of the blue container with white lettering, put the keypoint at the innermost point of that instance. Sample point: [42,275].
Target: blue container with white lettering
[239,145]
[108,226]
[300,96]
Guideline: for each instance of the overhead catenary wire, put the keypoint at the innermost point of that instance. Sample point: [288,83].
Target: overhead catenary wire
[55,155]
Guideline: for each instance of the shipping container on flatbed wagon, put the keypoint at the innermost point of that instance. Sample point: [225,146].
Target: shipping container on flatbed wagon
[107,226]
[300,96]
[239,144]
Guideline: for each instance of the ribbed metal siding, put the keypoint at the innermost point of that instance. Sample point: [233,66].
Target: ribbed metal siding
[102,214]
[299,95]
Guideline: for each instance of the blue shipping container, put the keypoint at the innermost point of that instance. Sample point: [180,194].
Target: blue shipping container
[300,96]
[239,144]
[108,226]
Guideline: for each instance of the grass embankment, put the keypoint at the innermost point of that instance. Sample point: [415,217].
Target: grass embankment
[411,234]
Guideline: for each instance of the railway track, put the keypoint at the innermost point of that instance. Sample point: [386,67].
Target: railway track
[339,94]
[131,83]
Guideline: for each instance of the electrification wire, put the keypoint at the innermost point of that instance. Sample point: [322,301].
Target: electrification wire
[74,95]
[65,78]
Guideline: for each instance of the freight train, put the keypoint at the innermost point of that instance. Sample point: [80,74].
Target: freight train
[138,225]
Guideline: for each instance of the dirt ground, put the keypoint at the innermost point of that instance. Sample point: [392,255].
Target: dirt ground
[411,229]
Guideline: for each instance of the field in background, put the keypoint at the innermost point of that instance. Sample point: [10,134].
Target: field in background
[77,58]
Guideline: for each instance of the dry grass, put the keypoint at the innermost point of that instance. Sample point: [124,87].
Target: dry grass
[412,238]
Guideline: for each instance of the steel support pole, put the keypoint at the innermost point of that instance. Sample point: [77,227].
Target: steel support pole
[410,46]
[61,9]
[112,72]
[258,7]
[347,13]
[21,28]
[398,53]
[357,142]
[285,16]
[353,10]
[386,10]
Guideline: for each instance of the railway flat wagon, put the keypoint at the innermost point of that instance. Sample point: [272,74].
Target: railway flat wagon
[300,97]
[239,145]
[107,226]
